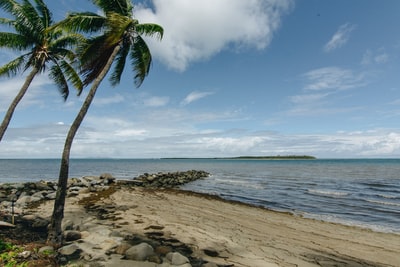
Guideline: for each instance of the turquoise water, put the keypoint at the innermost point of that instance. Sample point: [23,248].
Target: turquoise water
[362,192]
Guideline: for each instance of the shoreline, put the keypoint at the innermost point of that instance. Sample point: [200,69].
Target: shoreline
[299,214]
[296,213]
[241,234]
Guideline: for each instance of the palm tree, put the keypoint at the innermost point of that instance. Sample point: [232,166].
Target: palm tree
[44,47]
[120,37]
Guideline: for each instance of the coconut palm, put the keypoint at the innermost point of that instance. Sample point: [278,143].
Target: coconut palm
[120,37]
[42,46]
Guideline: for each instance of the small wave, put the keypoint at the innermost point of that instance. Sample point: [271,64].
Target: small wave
[375,184]
[240,183]
[383,202]
[327,193]
[343,221]
[388,196]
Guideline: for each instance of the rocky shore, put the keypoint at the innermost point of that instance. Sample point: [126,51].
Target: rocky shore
[18,202]
[149,223]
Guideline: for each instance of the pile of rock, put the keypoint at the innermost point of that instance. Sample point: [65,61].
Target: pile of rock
[169,179]
[21,195]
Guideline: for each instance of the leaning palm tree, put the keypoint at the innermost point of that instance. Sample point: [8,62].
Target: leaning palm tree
[120,37]
[42,46]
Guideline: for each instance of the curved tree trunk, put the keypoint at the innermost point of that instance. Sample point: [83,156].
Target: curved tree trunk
[55,235]
[17,99]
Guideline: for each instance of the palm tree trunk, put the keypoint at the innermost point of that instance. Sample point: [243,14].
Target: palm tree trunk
[55,235]
[17,99]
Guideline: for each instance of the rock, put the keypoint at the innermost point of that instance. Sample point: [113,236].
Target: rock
[209,264]
[67,225]
[211,252]
[169,179]
[122,248]
[51,196]
[139,252]
[163,250]
[176,258]
[35,222]
[24,200]
[6,225]
[107,177]
[25,254]
[40,223]
[71,235]
[69,252]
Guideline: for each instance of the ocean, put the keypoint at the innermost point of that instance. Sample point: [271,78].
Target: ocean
[360,192]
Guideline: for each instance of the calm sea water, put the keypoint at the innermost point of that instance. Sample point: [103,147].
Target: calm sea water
[362,192]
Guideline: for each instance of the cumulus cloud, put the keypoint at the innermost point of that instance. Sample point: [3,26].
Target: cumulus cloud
[194,96]
[340,38]
[197,29]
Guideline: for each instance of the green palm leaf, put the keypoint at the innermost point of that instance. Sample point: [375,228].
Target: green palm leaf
[115,77]
[13,67]
[141,60]
[122,7]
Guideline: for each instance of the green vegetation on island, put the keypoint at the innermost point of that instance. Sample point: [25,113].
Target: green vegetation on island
[278,157]
[275,157]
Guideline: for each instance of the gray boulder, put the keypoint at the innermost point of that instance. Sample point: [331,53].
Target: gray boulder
[69,252]
[139,252]
[176,258]
[71,235]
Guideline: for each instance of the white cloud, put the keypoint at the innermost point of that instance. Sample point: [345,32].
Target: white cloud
[156,101]
[194,96]
[333,78]
[197,29]
[340,37]
[307,98]
[34,95]
[130,132]
[377,57]
[115,99]
[45,141]
[320,86]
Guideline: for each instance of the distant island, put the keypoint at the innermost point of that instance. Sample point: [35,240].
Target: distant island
[275,157]
[278,157]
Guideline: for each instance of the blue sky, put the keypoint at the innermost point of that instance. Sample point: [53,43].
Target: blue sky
[231,78]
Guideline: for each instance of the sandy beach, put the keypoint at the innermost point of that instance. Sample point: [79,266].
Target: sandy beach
[242,235]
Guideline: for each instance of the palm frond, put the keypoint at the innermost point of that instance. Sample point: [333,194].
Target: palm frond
[29,19]
[69,71]
[8,22]
[94,57]
[150,29]
[8,5]
[67,40]
[123,7]
[115,77]
[141,60]
[44,12]
[13,67]
[14,41]
[58,77]
[82,22]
